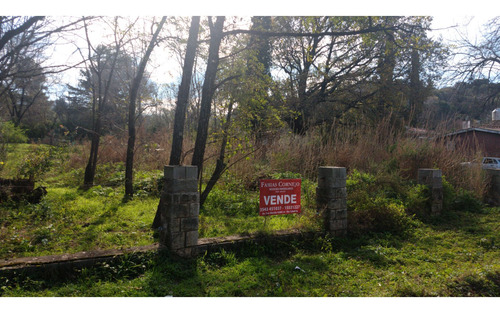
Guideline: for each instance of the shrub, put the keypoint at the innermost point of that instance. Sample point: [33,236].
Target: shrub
[38,161]
[459,200]
[375,205]
[148,184]
[380,217]
[417,200]
[9,133]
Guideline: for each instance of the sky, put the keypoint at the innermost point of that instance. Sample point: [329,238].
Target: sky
[466,17]
[254,7]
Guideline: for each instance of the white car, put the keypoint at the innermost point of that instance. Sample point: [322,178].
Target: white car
[491,163]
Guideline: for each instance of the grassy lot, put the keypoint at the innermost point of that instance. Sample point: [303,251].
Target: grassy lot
[390,251]
[70,220]
[456,255]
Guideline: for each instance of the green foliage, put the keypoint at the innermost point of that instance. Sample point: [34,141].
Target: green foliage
[38,161]
[222,203]
[148,184]
[72,220]
[474,285]
[436,262]
[111,174]
[286,175]
[375,205]
[9,133]
[418,200]
[459,200]
[219,259]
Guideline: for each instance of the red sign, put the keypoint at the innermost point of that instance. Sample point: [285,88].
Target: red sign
[279,196]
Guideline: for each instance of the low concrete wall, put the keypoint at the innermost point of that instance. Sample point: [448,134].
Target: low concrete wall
[57,265]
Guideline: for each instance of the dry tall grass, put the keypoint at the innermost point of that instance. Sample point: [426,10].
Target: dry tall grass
[377,150]
[382,149]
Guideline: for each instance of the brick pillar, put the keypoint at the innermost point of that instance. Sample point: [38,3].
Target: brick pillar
[433,179]
[179,210]
[493,193]
[331,196]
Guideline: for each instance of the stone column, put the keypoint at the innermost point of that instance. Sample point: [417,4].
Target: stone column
[331,196]
[433,179]
[493,192]
[179,210]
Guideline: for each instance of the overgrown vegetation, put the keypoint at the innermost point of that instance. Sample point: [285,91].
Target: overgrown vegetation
[382,194]
[455,256]
[388,220]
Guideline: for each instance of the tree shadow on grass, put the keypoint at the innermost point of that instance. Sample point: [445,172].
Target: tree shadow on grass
[469,222]
[91,230]
[173,276]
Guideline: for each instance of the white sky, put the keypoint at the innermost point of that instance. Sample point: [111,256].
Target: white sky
[446,13]
[253,7]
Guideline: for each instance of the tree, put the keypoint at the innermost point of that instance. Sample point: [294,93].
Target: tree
[257,99]
[25,91]
[481,60]
[19,37]
[99,73]
[24,66]
[183,94]
[332,60]
[216,34]
[348,68]
[134,91]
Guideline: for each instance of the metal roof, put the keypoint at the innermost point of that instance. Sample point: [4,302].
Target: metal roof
[477,129]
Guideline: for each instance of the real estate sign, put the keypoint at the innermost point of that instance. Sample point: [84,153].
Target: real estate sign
[279,196]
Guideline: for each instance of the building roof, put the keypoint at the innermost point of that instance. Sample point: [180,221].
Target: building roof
[477,129]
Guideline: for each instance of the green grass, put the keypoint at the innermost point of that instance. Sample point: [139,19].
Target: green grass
[440,258]
[68,220]
[15,156]
[456,254]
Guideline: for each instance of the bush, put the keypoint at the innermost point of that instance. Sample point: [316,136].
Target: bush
[148,184]
[380,217]
[459,200]
[9,133]
[38,161]
[417,200]
[376,206]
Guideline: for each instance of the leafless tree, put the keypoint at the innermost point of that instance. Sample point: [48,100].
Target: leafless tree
[481,60]
[133,95]
[24,42]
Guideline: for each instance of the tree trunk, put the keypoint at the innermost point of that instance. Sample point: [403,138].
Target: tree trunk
[102,97]
[386,72]
[183,95]
[134,91]
[216,34]
[88,179]
[182,101]
[416,94]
